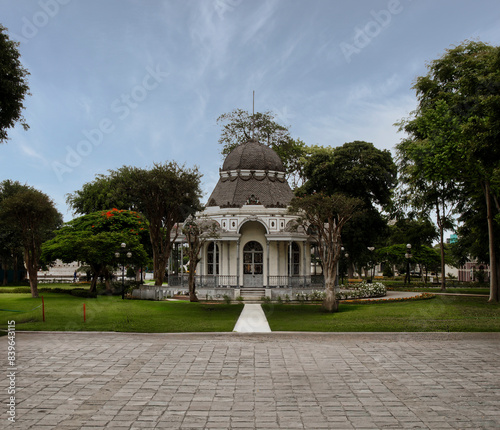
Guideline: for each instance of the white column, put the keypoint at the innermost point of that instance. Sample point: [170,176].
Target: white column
[267,246]
[304,264]
[278,245]
[182,265]
[238,263]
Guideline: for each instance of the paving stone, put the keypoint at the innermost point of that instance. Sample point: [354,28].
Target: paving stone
[258,381]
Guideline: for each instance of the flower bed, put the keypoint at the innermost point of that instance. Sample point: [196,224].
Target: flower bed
[423,296]
[360,291]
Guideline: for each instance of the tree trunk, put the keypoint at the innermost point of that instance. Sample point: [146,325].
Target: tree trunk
[33,275]
[330,303]
[5,275]
[493,261]
[160,265]
[350,271]
[107,281]
[32,268]
[93,283]
[192,286]
[441,247]
[16,270]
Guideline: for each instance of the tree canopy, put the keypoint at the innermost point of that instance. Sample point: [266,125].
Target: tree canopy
[356,169]
[94,238]
[13,85]
[452,150]
[165,195]
[31,216]
[325,216]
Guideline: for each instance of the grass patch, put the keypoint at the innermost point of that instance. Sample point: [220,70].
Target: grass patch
[110,313]
[45,287]
[441,314]
[459,290]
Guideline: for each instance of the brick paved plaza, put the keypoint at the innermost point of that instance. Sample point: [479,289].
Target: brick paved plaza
[258,381]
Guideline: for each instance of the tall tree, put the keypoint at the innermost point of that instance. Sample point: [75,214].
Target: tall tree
[165,195]
[426,162]
[13,85]
[326,216]
[10,240]
[360,170]
[239,126]
[197,232]
[33,216]
[100,194]
[461,94]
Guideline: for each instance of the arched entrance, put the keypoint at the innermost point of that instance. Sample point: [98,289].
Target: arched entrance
[253,265]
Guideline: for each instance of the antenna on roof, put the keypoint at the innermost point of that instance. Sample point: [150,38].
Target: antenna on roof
[253,116]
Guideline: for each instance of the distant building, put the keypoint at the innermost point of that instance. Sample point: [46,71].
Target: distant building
[474,272]
[452,239]
[59,271]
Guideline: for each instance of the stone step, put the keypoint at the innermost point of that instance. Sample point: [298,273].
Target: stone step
[254,294]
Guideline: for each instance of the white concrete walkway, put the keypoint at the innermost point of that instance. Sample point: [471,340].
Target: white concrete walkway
[252,320]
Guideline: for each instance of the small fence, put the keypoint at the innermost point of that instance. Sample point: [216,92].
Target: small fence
[204,281]
[232,281]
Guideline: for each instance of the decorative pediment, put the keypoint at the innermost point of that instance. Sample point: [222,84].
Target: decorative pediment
[253,200]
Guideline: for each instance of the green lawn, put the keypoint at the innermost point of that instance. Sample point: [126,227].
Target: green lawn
[443,313]
[111,313]
[44,287]
[460,290]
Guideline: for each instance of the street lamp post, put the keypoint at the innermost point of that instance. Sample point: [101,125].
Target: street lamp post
[371,249]
[408,258]
[341,268]
[119,254]
[346,255]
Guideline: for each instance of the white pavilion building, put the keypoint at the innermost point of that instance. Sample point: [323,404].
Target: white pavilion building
[257,246]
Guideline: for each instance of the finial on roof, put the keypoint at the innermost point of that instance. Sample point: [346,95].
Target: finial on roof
[253,116]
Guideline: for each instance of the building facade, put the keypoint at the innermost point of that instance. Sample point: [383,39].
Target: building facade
[259,244]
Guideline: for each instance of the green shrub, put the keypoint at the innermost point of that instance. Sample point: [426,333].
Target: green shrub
[388,272]
[80,292]
[18,290]
[54,290]
[227,299]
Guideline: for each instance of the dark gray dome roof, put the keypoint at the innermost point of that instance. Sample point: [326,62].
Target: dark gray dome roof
[235,189]
[253,156]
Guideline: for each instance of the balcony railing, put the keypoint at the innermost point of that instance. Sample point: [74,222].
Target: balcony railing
[231,281]
[204,281]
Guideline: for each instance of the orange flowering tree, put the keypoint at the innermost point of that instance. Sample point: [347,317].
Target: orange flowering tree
[94,238]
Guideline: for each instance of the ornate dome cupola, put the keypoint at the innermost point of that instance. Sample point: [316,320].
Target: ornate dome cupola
[252,174]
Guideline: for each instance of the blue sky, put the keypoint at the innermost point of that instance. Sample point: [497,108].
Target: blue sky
[129,82]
